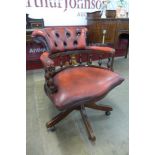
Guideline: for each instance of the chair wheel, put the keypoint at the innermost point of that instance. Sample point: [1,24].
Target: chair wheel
[51,129]
[107,113]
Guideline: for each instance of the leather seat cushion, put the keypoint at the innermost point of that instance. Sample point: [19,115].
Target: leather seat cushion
[78,85]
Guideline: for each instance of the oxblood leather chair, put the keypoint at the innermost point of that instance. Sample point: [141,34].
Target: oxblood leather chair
[75,86]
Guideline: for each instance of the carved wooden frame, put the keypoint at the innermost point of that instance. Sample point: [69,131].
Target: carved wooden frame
[51,71]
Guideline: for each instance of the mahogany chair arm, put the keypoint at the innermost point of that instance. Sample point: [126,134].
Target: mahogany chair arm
[46,61]
[106,50]
[102,49]
[89,50]
[49,71]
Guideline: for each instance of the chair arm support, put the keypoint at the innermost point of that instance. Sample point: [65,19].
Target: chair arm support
[46,61]
[102,49]
[49,71]
[107,50]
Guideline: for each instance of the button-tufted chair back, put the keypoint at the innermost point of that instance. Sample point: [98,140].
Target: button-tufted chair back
[62,39]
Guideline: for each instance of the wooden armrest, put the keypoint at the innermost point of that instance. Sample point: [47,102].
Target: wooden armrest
[102,49]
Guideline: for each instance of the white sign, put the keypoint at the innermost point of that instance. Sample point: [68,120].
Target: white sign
[62,12]
[68,12]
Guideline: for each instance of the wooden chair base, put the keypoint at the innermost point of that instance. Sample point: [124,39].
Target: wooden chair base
[82,110]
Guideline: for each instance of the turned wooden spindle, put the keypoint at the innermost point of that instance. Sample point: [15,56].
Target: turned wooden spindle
[100,60]
[89,59]
[61,63]
[80,59]
[73,59]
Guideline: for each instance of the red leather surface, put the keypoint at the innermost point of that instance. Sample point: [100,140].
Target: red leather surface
[100,48]
[80,84]
[61,39]
[47,62]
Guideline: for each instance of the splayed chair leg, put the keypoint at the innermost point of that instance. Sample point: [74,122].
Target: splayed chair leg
[99,107]
[87,124]
[58,118]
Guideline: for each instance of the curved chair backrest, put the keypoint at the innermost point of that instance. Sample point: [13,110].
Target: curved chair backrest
[62,39]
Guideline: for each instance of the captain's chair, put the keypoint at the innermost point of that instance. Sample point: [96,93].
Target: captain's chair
[75,85]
